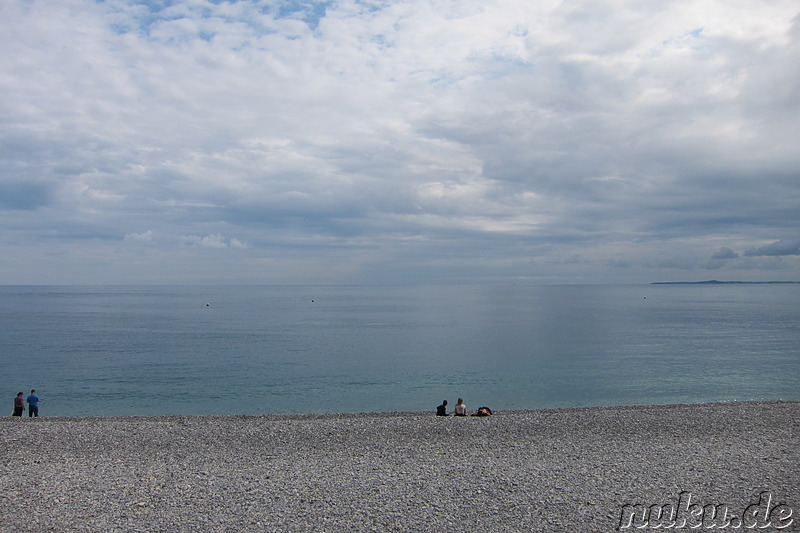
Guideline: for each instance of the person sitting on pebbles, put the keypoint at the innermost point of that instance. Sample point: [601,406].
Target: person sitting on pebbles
[461,409]
[483,411]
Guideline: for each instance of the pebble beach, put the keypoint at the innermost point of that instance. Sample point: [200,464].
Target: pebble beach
[554,470]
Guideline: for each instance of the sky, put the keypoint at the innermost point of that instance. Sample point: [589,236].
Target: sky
[399,141]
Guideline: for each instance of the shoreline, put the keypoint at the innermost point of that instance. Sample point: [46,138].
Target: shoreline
[573,468]
[383,414]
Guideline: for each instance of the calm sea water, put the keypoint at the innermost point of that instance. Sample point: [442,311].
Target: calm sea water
[267,349]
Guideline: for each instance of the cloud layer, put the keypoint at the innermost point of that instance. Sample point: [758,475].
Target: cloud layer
[399,141]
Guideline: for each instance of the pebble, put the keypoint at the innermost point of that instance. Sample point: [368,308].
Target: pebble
[549,470]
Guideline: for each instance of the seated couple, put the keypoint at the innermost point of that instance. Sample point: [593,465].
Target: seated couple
[461,410]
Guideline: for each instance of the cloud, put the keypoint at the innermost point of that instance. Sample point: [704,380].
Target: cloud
[25,196]
[212,241]
[145,237]
[779,248]
[725,253]
[395,140]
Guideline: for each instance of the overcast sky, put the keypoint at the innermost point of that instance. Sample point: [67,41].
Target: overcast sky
[399,141]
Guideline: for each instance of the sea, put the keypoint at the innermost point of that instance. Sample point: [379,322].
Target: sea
[248,350]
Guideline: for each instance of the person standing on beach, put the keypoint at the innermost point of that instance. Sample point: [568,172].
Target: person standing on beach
[19,404]
[461,409]
[33,404]
[442,409]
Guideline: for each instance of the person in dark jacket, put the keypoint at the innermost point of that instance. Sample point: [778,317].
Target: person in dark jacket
[19,404]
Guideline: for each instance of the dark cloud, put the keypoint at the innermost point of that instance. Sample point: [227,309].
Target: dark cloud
[725,253]
[23,195]
[779,248]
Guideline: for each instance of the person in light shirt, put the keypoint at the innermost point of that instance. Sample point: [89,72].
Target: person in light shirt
[461,409]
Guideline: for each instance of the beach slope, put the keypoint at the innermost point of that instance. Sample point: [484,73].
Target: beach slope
[587,469]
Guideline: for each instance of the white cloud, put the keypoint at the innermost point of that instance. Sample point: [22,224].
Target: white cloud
[536,132]
[212,241]
[145,237]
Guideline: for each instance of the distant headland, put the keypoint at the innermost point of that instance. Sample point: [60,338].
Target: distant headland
[716,282]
